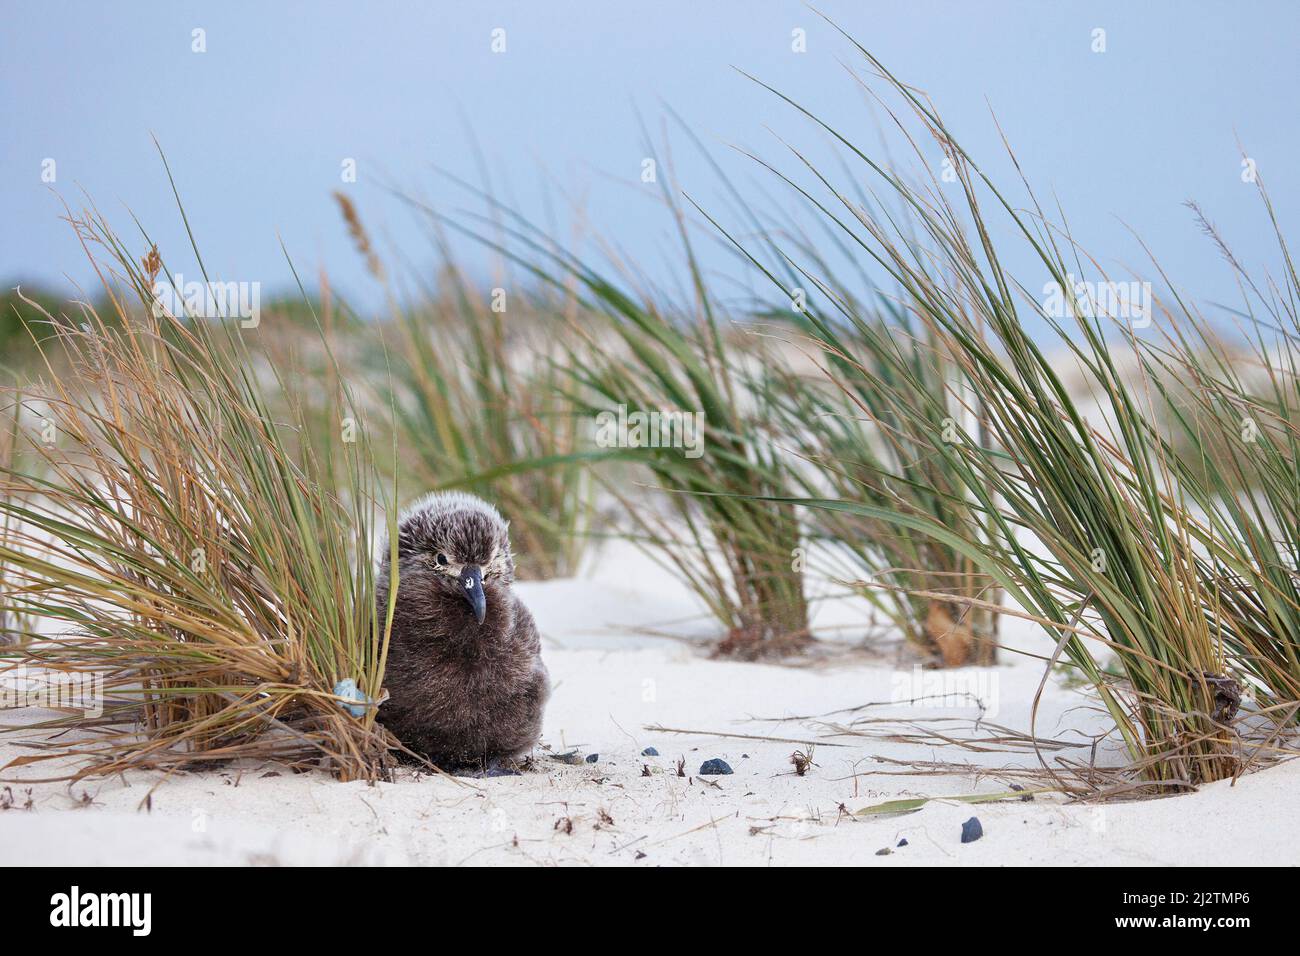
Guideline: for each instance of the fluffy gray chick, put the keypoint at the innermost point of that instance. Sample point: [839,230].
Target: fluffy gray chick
[465,676]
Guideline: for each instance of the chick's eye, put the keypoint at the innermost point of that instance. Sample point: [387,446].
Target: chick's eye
[442,559]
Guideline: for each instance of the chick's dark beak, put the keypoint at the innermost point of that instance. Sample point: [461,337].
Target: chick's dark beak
[471,582]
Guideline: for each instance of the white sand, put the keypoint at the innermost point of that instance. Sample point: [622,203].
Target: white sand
[610,684]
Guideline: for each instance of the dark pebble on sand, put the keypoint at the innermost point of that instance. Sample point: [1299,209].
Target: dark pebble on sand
[971,830]
[884,851]
[714,768]
[649,752]
[592,758]
[903,842]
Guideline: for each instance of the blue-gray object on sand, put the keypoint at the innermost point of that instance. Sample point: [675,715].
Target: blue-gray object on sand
[592,758]
[714,768]
[649,752]
[971,830]
[348,688]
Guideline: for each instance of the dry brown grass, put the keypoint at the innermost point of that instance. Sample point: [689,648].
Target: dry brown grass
[180,543]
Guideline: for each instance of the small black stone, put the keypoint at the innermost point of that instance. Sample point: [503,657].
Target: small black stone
[592,758]
[714,768]
[903,842]
[649,752]
[971,830]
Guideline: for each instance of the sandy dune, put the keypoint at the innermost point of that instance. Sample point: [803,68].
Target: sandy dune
[611,683]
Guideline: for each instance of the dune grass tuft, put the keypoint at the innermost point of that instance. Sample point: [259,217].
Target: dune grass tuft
[200,571]
[1081,518]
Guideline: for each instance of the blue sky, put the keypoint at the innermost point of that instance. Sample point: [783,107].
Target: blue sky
[256,128]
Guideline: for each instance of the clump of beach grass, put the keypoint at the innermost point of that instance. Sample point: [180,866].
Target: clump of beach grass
[740,555]
[859,444]
[840,435]
[1081,522]
[184,552]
